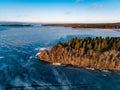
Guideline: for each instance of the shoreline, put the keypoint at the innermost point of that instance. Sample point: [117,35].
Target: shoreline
[12,25]
[87,28]
[113,26]
[73,66]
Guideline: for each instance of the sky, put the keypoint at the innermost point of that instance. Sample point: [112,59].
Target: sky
[60,11]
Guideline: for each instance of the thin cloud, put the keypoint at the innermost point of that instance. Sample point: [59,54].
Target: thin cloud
[97,5]
[67,13]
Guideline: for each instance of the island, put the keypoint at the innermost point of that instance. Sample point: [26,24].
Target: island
[89,25]
[98,53]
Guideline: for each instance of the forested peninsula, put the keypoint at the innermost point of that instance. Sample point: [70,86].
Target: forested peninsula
[99,53]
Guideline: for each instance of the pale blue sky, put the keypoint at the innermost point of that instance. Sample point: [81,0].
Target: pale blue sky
[61,11]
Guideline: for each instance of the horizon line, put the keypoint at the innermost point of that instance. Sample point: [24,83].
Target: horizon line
[58,22]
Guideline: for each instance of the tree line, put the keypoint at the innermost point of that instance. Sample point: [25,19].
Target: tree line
[97,44]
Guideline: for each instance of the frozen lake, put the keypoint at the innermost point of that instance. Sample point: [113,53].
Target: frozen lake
[19,65]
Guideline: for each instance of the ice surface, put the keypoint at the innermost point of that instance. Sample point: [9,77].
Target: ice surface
[19,65]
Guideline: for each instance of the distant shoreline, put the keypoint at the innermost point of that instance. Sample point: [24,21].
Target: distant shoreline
[16,25]
[94,25]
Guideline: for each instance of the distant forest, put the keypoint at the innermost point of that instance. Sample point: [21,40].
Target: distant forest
[101,25]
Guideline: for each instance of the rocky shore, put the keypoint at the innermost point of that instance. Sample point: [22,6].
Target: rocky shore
[65,53]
